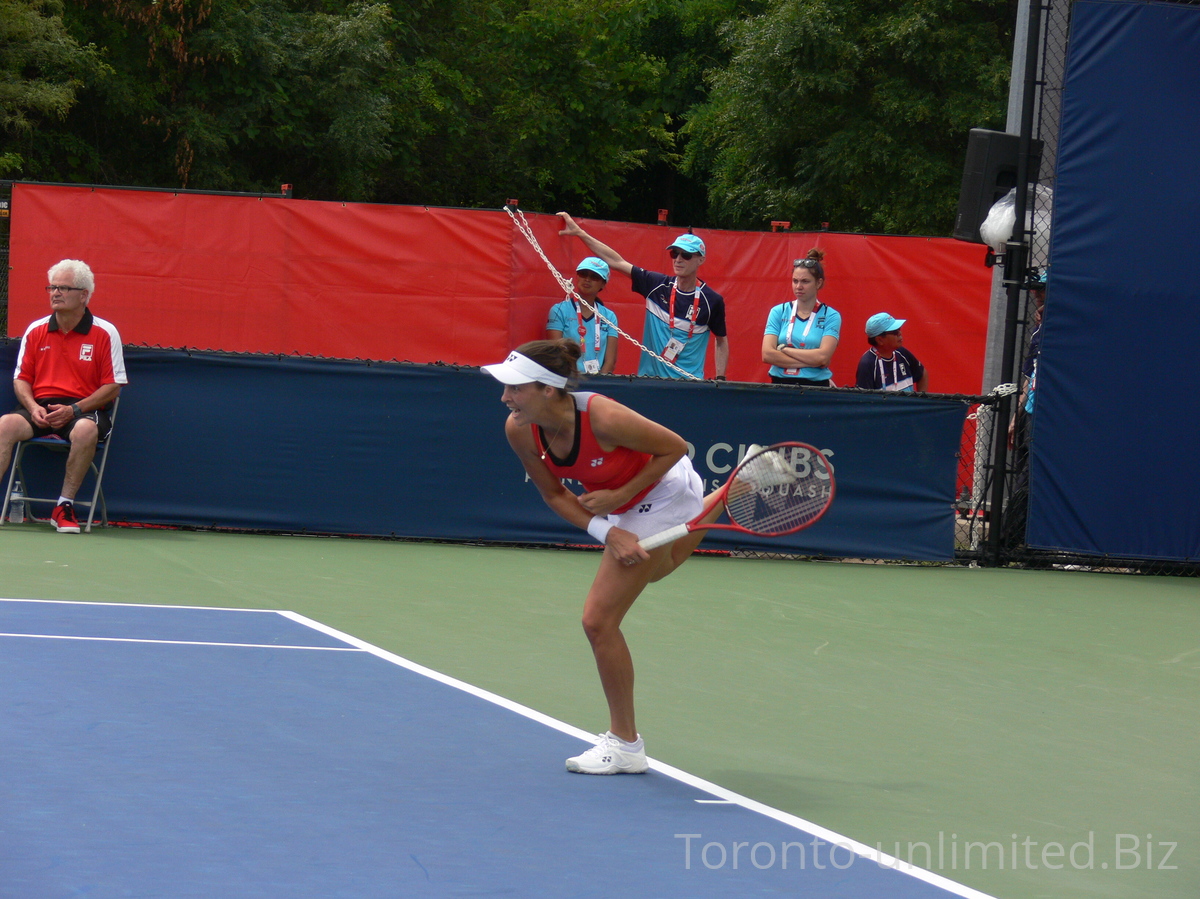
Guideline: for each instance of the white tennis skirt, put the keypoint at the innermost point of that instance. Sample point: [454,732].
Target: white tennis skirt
[676,499]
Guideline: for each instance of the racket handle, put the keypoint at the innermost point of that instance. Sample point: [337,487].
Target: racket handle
[663,537]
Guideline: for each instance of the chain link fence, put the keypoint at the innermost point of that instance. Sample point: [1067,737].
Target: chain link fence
[5,221]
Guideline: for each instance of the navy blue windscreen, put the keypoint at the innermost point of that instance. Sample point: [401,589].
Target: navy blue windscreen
[328,446]
[1114,446]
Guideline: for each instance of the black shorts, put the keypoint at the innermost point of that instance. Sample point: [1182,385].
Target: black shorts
[99,416]
[799,382]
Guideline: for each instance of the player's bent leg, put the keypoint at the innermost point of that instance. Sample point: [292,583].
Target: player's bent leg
[613,591]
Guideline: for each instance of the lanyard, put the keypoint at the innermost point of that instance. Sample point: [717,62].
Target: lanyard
[583,327]
[792,324]
[693,310]
[895,360]
[879,360]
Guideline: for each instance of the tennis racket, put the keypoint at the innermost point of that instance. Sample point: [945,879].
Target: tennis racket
[778,490]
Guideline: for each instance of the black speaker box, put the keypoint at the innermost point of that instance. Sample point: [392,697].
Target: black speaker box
[990,172]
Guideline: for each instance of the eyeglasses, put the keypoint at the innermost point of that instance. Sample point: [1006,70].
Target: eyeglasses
[676,254]
[61,288]
[805,263]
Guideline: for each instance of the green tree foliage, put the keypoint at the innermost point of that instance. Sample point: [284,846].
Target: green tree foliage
[727,112]
[551,104]
[221,94]
[853,112]
[447,102]
[685,35]
[40,70]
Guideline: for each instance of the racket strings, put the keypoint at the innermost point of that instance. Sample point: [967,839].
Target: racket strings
[777,493]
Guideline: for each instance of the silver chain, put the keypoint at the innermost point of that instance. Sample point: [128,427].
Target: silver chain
[523,226]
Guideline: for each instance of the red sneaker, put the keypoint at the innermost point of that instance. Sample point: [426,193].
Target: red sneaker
[64,519]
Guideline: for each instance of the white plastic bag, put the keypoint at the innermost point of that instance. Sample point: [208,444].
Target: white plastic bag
[996,230]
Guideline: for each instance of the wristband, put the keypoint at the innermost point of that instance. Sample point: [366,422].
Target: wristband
[599,527]
[719,378]
[75,408]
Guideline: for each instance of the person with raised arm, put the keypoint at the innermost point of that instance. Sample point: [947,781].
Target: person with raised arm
[681,310]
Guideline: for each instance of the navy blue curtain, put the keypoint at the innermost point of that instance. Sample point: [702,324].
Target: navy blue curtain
[1113,450]
[327,446]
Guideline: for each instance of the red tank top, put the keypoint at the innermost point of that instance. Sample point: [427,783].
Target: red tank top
[588,463]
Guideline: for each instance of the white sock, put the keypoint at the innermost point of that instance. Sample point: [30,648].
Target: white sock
[631,747]
[66,499]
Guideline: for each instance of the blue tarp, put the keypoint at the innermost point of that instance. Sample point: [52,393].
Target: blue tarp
[344,447]
[1113,451]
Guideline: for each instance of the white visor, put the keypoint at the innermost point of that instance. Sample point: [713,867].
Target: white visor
[518,369]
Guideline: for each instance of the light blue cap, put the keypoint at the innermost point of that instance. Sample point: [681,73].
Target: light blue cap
[689,243]
[594,264]
[881,322]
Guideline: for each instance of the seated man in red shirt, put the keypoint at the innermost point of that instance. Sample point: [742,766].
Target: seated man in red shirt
[70,369]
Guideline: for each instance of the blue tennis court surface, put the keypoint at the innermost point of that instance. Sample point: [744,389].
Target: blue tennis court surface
[154,751]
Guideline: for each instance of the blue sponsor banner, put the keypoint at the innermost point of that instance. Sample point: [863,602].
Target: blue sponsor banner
[343,447]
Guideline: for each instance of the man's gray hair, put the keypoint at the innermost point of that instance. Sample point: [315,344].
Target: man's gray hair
[81,275]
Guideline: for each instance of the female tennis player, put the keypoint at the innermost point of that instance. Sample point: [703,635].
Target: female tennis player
[638,481]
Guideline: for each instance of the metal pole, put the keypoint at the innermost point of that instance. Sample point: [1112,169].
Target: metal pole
[1014,276]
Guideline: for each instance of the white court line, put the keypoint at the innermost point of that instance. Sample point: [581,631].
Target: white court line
[723,795]
[135,605]
[183,642]
[150,605]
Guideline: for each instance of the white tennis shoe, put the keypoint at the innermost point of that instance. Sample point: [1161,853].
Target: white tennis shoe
[611,756]
[768,470]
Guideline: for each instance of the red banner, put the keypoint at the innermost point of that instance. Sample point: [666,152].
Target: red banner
[352,280]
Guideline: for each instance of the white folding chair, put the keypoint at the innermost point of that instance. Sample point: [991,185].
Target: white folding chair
[59,445]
